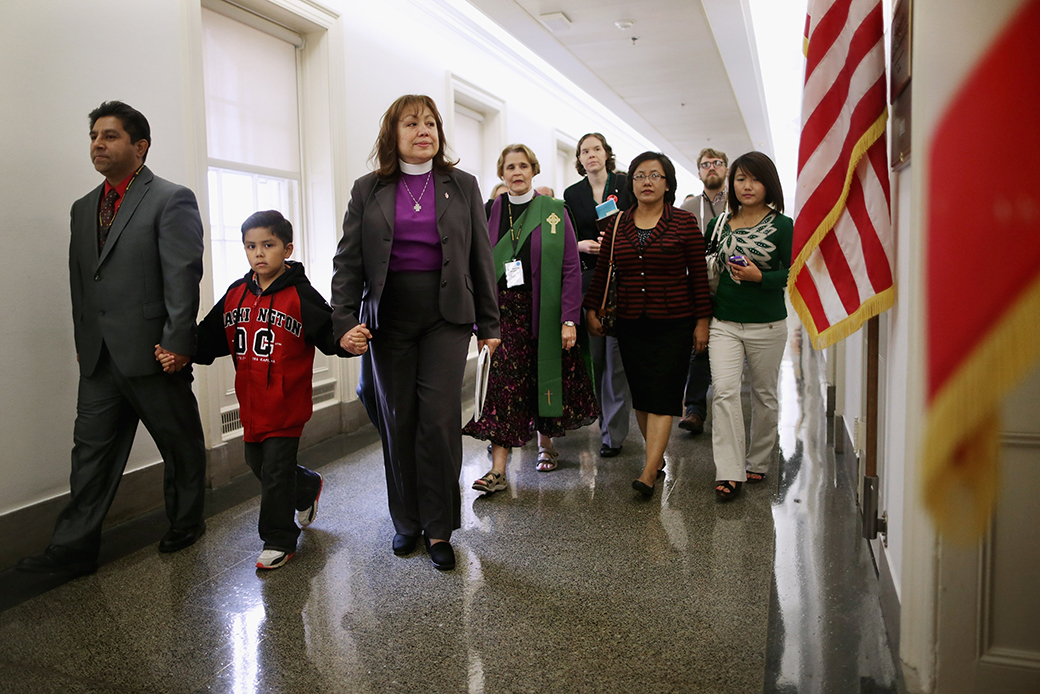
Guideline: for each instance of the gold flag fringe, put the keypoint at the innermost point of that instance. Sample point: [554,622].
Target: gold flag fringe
[960,470]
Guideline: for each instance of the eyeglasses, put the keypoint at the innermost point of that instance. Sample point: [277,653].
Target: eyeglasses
[713,163]
[653,177]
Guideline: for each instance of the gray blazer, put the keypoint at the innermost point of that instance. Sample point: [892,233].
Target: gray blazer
[143,289]
[467,293]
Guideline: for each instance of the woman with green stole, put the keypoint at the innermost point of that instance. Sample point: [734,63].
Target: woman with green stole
[538,382]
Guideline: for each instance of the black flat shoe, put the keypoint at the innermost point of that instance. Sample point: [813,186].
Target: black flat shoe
[405,544]
[176,539]
[441,554]
[59,561]
[606,451]
[645,489]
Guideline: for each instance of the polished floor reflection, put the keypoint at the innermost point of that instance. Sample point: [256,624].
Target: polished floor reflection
[566,582]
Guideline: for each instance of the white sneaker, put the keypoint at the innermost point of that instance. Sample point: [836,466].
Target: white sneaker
[273,558]
[307,515]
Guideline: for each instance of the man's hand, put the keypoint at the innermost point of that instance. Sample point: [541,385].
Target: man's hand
[171,361]
[356,339]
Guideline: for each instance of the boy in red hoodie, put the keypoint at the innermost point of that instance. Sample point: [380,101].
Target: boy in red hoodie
[270,321]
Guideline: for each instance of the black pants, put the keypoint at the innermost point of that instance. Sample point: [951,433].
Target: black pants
[108,409]
[697,382]
[285,488]
[419,360]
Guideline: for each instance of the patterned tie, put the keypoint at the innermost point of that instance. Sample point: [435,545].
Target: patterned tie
[105,215]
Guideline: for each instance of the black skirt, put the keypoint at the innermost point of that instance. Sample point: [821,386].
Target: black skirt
[656,355]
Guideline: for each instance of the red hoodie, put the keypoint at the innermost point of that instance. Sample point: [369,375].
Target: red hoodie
[271,335]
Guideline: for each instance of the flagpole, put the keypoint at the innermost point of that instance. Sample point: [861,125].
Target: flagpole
[872,524]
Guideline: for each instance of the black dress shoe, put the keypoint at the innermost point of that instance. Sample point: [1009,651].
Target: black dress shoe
[606,451]
[176,539]
[405,544]
[442,555]
[59,560]
[643,488]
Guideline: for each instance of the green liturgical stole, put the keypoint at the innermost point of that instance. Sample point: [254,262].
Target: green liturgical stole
[547,212]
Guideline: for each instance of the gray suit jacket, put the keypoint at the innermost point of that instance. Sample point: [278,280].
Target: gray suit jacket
[143,289]
[467,293]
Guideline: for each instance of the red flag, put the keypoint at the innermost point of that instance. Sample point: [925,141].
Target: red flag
[841,272]
[982,271]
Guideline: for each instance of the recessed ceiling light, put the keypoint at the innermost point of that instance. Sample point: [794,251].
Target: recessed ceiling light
[625,24]
[555,21]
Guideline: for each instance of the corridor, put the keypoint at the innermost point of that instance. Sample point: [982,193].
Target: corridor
[566,582]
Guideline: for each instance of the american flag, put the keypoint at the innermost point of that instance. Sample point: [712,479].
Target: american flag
[841,272]
[982,274]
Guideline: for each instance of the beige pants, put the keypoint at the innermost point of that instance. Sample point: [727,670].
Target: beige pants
[763,346]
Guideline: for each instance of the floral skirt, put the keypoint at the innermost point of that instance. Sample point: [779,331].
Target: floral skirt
[510,415]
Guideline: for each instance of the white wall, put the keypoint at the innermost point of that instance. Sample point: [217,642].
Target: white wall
[62,58]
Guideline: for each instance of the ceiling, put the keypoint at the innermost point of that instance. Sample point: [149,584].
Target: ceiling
[689,80]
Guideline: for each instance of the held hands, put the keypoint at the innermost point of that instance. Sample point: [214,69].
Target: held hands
[569,335]
[356,339]
[492,344]
[171,361]
[593,323]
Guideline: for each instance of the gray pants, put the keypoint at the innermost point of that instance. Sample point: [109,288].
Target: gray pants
[109,407]
[615,402]
[419,360]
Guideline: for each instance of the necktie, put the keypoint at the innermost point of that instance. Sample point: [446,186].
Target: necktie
[105,215]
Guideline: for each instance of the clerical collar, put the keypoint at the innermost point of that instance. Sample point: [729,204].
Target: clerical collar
[415,169]
[521,199]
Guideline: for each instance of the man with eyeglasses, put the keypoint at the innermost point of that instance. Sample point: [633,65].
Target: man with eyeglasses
[713,169]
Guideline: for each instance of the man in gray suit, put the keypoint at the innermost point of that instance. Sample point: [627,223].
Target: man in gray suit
[135,263]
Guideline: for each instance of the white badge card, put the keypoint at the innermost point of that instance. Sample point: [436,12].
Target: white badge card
[514,274]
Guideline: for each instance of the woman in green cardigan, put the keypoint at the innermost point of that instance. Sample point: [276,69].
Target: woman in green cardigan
[752,244]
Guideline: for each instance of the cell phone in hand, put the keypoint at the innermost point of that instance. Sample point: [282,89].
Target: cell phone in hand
[739,260]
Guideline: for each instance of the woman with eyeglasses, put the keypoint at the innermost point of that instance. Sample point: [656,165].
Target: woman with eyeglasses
[753,243]
[663,306]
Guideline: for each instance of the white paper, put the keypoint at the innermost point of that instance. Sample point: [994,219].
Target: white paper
[483,369]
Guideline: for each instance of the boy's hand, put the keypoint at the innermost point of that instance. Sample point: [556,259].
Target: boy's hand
[356,339]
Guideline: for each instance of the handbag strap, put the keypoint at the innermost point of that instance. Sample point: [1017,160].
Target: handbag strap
[610,266]
[720,222]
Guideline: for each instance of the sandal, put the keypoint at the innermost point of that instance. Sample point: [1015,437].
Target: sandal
[726,490]
[756,477]
[491,482]
[547,459]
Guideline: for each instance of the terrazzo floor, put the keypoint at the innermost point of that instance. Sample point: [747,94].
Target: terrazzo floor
[566,582]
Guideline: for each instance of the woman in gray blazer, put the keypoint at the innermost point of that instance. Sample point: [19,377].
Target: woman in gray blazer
[413,275]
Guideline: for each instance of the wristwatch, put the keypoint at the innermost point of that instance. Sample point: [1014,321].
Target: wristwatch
[569,323]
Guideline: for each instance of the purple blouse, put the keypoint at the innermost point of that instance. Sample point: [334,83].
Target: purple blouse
[417,243]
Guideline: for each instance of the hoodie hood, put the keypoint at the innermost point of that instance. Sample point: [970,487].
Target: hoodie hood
[293,275]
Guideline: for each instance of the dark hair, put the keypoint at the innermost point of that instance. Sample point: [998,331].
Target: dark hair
[518,149]
[762,168]
[669,175]
[611,160]
[269,219]
[134,122]
[384,153]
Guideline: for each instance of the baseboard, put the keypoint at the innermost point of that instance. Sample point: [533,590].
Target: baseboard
[891,609]
[27,531]
[840,435]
